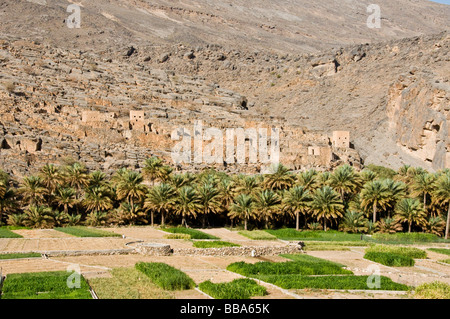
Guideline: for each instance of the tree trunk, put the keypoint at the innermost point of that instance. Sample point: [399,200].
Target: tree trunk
[245,223]
[183,219]
[409,227]
[162,219]
[448,222]
[204,221]
[231,222]
[374,213]
[151,217]
[267,222]
[297,221]
[425,202]
[324,224]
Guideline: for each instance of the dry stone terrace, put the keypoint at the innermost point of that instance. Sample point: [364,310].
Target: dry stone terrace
[200,267]
[109,114]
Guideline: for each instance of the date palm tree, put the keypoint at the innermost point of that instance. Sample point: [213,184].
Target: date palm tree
[344,180]
[96,219]
[435,225]
[76,176]
[395,191]
[51,177]
[187,203]
[280,179]
[326,205]
[130,187]
[160,198]
[353,222]
[247,185]
[98,199]
[133,213]
[154,170]
[442,194]
[297,200]
[209,200]
[389,225]
[410,210]
[374,195]
[423,185]
[308,180]
[38,217]
[267,202]
[97,179]
[367,176]
[7,200]
[32,190]
[65,198]
[243,208]
[227,189]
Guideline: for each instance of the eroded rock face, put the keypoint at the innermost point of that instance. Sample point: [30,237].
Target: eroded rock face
[419,115]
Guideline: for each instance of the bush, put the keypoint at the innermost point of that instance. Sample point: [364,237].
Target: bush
[390,259]
[214,244]
[237,289]
[257,235]
[195,234]
[330,282]
[434,290]
[44,285]
[317,235]
[165,276]
[404,251]
[80,231]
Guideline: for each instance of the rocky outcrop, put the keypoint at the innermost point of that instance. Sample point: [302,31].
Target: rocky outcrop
[419,117]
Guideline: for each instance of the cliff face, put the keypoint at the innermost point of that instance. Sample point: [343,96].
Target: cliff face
[419,117]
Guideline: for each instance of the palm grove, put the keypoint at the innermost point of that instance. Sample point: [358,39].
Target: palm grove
[376,199]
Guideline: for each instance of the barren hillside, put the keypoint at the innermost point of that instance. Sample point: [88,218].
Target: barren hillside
[310,68]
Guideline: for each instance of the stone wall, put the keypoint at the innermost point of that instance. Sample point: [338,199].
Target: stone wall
[248,251]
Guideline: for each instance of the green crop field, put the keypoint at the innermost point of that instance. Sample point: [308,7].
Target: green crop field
[6,233]
[195,234]
[80,231]
[236,289]
[165,276]
[44,285]
[19,255]
[214,244]
[257,235]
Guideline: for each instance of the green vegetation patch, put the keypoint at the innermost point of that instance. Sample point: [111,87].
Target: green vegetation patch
[331,282]
[442,251]
[257,235]
[434,290]
[43,285]
[6,233]
[80,231]
[214,244]
[342,246]
[128,283]
[177,236]
[165,276]
[237,289]
[301,265]
[390,259]
[404,251]
[319,235]
[195,234]
[406,238]
[19,255]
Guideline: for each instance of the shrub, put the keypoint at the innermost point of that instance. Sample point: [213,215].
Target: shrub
[446,261]
[165,276]
[434,290]
[330,282]
[257,235]
[80,231]
[214,244]
[390,259]
[195,234]
[237,289]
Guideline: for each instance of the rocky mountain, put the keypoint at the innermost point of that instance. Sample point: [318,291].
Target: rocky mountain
[310,69]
